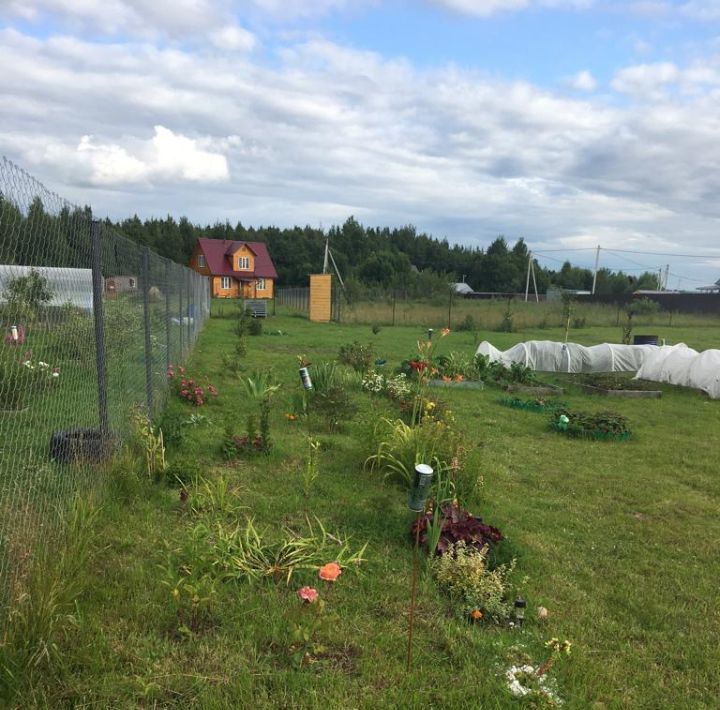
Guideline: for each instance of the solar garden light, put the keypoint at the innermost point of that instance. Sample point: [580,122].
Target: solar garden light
[305,378]
[14,333]
[420,487]
[416,502]
[430,332]
[520,605]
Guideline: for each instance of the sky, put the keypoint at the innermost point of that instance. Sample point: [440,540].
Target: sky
[569,123]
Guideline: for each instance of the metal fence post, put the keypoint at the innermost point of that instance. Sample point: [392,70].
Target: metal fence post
[100,366]
[168,355]
[180,307]
[146,313]
[189,308]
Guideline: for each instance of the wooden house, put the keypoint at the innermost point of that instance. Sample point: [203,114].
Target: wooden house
[235,269]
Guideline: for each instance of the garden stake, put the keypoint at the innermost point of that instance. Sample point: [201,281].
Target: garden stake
[413,594]
[416,502]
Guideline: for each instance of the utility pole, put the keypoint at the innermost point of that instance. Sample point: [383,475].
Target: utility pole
[527,280]
[667,275]
[597,263]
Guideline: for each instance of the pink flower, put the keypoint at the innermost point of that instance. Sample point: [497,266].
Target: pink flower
[308,594]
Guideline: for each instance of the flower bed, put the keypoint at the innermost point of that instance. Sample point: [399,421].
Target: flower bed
[601,426]
[533,405]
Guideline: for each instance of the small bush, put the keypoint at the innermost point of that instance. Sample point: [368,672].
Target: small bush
[375,328]
[464,575]
[184,472]
[578,323]
[357,356]
[255,326]
[468,324]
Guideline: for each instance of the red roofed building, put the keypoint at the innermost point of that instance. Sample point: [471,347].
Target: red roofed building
[235,269]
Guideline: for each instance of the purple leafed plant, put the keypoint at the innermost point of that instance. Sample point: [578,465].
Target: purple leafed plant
[458,524]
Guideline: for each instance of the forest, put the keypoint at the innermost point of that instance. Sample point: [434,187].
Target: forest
[367,257]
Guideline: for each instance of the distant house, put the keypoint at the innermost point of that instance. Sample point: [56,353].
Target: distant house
[120,284]
[711,288]
[235,269]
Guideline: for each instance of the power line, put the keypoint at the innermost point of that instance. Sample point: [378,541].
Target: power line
[663,253]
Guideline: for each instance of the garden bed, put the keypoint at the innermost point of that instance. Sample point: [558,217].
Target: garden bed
[537,390]
[464,384]
[618,385]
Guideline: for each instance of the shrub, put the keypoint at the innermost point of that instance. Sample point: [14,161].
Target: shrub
[184,472]
[255,327]
[357,356]
[376,328]
[464,575]
[467,324]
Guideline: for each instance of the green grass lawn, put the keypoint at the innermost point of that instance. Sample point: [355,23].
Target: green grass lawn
[619,541]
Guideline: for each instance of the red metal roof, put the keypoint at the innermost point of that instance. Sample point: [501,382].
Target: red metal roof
[218,254]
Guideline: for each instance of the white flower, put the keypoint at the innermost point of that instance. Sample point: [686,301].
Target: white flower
[56,374]
[43,365]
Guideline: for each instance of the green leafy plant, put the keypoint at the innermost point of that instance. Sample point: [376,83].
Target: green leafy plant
[400,446]
[244,553]
[192,599]
[310,470]
[255,327]
[464,575]
[604,426]
[149,440]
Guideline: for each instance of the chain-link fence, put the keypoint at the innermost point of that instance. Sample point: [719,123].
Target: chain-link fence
[90,321]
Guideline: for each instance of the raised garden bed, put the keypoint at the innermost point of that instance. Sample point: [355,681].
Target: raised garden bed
[537,390]
[610,385]
[533,405]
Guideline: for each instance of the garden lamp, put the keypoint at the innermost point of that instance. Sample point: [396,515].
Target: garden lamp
[520,605]
[305,378]
[420,487]
[430,332]
[14,333]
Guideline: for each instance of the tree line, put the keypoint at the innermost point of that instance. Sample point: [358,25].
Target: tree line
[367,257]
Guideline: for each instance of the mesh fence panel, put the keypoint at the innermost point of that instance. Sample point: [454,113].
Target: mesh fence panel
[72,366]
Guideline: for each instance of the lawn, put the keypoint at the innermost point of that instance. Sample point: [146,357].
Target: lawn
[618,540]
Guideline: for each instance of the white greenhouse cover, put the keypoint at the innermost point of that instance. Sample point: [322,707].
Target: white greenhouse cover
[675,364]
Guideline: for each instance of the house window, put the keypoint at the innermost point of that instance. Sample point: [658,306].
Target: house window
[260,284]
[243,262]
[201,260]
[225,283]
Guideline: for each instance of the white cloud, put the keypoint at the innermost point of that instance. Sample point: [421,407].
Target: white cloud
[174,19]
[166,157]
[487,8]
[582,81]
[233,38]
[327,131]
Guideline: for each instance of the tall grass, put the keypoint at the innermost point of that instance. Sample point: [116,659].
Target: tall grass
[489,314]
[43,608]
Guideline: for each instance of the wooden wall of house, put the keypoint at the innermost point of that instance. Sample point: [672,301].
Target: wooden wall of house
[219,292]
[320,298]
[194,262]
